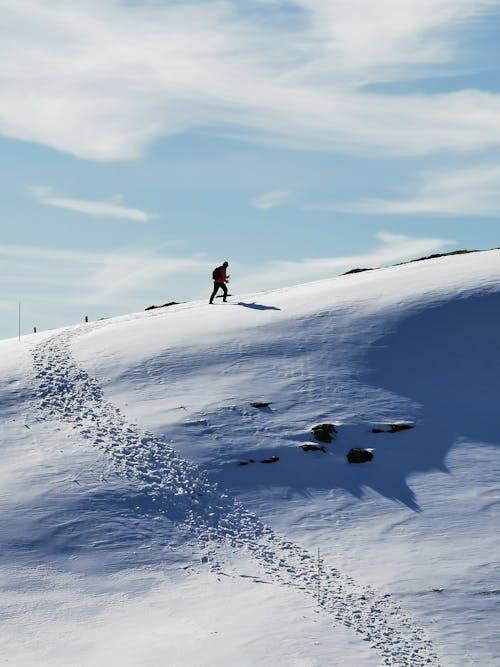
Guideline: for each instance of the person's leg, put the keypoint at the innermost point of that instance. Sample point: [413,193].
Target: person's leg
[215,290]
[224,289]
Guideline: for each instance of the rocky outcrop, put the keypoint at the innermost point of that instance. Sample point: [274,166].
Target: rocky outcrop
[311,447]
[324,432]
[271,459]
[348,273]
[164,305]
[357,455]
[394,428]
[399,426]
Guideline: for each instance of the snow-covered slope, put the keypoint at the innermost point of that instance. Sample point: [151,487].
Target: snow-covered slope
[132,535]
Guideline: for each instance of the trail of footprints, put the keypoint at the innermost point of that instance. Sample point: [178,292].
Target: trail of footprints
[184,494]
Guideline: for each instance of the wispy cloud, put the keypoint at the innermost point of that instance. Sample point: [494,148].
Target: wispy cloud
[392,248]
[474,191]
[102,79]
[271,199]
[100,209]
[58,287]
[109,278]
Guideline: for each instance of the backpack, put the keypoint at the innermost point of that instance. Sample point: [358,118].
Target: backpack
[216,273]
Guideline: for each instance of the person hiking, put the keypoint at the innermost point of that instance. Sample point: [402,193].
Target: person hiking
[220,278]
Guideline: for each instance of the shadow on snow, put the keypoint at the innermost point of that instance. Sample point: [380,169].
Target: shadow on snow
[439,367]
[444,364]
[256,306]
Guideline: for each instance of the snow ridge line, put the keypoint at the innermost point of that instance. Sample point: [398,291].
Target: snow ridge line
[184,494]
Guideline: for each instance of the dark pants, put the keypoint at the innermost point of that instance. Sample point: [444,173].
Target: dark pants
[216,289]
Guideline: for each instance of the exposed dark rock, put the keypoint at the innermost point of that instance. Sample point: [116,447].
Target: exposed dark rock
[357,455]
[259,404]
[421,259]
[395,428]
[324,432]
[245,463]
[347,273]
[310,447]
[439,254]
[164,305]
[271,459]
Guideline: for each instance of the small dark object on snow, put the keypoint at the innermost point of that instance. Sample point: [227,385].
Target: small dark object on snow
[348,273]
[271,459]
[439,254]
[170,303]
[357,455]
[309,447]
[245,463]
[394,428]
[324,432]
[259,404]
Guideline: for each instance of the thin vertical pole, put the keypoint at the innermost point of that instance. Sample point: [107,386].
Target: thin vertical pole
[319,577]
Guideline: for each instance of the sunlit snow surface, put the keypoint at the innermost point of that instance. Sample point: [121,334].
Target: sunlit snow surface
[131,535]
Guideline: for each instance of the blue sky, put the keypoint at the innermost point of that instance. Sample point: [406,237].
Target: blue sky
[141,143]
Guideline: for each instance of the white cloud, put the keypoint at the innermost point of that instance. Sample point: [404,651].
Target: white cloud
[388,36]
[271,199]
[100,79]
[94,208]
[474,191]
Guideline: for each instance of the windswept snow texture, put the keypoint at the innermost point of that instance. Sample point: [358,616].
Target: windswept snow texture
[128,519]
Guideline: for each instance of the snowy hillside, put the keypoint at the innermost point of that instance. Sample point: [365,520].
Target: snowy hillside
[150,515]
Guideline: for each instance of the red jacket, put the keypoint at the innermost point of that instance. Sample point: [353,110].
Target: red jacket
[220,273]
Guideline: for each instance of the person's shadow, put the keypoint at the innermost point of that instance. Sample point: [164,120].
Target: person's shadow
[256,306]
